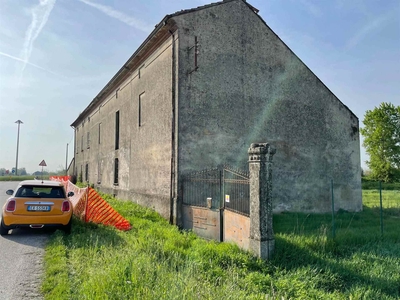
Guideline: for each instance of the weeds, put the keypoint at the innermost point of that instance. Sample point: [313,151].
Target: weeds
[157,261]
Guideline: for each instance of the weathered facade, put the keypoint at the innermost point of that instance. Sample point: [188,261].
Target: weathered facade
[201,88]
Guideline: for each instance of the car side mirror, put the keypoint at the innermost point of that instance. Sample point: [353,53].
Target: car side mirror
[70,194]
[9,192]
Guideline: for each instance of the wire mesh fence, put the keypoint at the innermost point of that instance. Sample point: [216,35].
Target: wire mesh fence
[380,207]
[380,215]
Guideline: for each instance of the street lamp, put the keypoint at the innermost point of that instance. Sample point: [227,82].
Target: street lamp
[19,122]
[66,161]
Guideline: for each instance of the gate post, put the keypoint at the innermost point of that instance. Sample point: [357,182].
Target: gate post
[262,241]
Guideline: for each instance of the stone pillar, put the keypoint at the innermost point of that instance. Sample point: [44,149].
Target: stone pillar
[262,241]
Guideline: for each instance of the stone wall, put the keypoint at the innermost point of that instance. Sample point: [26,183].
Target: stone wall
[145,149]
[249,86]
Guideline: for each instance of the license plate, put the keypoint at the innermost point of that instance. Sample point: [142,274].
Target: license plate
[38,208]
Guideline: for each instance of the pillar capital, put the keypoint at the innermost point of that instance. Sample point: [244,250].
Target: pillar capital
[261,152]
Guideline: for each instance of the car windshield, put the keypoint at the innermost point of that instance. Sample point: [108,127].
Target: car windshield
[40,192]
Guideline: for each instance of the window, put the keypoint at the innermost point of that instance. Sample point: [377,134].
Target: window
[82,143]
[140,109]
[140,72]
[40,191]
[88,140]
[116,163]
[98,172]
[99,133]
[117,130]
[87,173]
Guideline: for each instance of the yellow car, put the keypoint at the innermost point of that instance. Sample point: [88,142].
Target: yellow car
[37,204]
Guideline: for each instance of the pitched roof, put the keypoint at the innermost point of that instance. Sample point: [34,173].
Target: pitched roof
[164,28]
[185,11]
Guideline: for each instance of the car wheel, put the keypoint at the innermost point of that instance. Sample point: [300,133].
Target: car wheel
[67,228]
[3,229]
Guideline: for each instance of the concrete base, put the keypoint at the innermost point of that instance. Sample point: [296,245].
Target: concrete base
[262,249]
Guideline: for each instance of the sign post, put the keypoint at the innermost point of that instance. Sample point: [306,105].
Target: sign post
[42,164]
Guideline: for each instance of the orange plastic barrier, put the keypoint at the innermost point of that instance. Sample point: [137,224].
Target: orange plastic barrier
[88,206]
[99,211]
[60,178]
[79,199]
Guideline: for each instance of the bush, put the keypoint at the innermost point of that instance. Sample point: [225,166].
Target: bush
[369,184]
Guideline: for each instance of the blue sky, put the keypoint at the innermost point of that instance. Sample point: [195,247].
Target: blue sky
[56,55]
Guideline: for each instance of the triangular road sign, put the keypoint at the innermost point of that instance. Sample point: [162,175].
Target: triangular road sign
[43,163]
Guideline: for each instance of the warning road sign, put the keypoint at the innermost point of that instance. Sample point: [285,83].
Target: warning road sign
[43,163]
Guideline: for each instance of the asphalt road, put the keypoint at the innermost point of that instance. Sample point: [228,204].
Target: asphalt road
[21,259]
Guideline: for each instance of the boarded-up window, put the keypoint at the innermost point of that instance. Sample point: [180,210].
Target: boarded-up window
[141,110]
[99,133]
[99,172]
[140,71]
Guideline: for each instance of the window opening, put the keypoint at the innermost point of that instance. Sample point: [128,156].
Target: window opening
[117,130]
[116,169]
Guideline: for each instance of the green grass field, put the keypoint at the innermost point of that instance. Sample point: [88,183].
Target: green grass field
[390,199]
[156,261]
[21,178]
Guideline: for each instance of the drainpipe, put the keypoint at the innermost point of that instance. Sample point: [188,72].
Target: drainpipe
[173,192]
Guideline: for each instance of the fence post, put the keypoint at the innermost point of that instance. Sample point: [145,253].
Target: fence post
[262,241]
[222,203]
[333,210]
[381,206]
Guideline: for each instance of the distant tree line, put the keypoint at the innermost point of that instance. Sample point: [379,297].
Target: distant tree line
[7,172]
[22,172]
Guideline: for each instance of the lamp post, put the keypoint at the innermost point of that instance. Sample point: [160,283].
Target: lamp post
[19,122]
[66,161]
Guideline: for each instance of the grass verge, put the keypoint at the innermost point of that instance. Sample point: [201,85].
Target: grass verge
[21,178]
[156,261]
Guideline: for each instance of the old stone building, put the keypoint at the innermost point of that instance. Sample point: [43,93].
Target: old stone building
[204,85]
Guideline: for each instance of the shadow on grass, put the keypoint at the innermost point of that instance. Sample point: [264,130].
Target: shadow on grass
[305,241]
[84,235]
[339,277]
[365,224]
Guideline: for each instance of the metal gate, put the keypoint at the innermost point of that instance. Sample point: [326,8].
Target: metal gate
[227,187]
[236,191]
[208,193]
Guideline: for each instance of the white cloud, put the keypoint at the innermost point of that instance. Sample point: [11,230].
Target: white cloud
[120,16]
[27,63]
[40,15]
[369,28]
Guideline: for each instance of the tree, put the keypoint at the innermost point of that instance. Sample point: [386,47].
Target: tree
[22,171]
[61,170]
[382,141]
